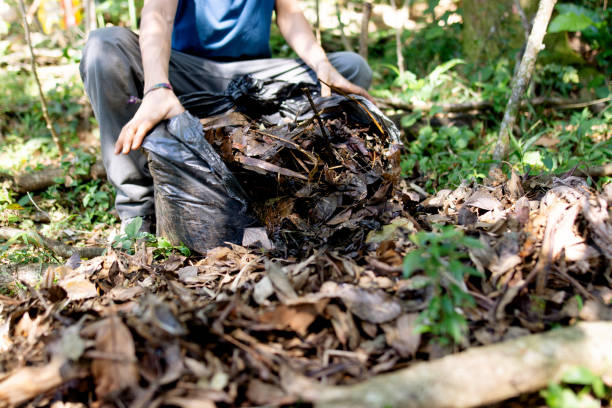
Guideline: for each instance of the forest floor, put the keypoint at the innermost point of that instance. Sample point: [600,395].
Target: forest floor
[372,259]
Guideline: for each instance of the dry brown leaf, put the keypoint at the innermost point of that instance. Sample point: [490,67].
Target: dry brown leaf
[28,382]
[485,201]
[282,286]
[256,237]
[344,327]
[297,317]
[119,294]
[402,335]
[78,287]
[261,393]
[117,369]
[371,306]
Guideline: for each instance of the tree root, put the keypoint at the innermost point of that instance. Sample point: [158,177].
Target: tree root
[480,375]
[58,248]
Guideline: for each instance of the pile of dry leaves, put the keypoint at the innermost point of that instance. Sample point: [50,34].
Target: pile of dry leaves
[240,327]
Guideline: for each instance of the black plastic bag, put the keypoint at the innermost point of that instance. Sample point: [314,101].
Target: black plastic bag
[253,97]
[198,201]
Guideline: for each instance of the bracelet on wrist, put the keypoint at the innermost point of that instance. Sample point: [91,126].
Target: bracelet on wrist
[135,100]
[161,85]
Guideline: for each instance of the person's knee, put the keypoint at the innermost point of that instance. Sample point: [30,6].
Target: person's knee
[102,49]
[353,67]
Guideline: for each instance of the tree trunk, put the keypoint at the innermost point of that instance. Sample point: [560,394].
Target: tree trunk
[523,76]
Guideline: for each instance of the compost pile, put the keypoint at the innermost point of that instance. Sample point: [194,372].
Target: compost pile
[315,172]
[240,327]
[326,182]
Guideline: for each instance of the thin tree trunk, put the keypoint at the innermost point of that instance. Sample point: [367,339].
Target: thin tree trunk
[363,38]
[524,20]
[345,42]
[523,76]
[318,22]
[43,101]
[398,35]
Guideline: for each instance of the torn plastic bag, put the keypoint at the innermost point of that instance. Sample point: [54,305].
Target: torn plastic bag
[251,96]
[271,101]
[198,201]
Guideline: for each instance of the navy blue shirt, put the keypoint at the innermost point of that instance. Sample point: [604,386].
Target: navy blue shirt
[223,29]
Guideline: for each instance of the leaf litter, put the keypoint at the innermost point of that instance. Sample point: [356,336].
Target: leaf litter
[318,294]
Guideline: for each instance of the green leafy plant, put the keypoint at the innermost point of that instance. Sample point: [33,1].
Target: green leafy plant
[162,247]
[594,24]
[440,256]
[446,156]
[130,236]
[589,396]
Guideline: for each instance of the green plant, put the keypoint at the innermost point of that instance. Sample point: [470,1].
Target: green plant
[162,247]
[441,255]
[594,23]
[446,156]
[589,396]
[130,236]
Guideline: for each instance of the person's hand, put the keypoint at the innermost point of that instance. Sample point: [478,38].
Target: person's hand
[156,106]
[329,76]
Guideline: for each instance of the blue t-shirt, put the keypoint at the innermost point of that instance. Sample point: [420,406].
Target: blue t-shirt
[223,29]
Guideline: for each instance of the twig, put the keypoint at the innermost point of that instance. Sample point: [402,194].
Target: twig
[604,170]
[316,113]
[43,101]
[523,77]
[36,206]
[524,21]
[363,38]
[579,105]
[559,103]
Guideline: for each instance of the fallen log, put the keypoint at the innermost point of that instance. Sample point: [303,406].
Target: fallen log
[57,247]
[39,180]
[478,376]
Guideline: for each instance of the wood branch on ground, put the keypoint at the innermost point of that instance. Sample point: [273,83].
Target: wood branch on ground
[523,76]
[57,247]
[553,102]
[41,179]
[478,376]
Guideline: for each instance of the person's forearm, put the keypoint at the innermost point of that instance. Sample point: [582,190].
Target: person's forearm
[298,33]
[156,39]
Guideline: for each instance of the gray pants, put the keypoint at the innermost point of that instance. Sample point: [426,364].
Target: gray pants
[111,69]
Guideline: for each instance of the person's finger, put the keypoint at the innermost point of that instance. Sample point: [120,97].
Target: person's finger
[122,136]
[352,88]
[140,133]
[325,90]
[127,139]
